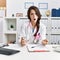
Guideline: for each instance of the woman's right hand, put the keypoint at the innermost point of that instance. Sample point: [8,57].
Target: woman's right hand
[23,42]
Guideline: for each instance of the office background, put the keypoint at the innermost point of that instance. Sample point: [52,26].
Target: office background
[14,9]
[15,6]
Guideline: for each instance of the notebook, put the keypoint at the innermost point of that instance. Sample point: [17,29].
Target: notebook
[6,51]
[37,48]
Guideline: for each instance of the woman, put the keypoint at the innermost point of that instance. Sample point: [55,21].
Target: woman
[33,31]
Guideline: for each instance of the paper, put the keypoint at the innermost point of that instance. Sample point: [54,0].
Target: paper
[56,48]
[37,48]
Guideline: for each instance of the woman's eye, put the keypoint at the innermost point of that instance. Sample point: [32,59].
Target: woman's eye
[31,13]
[35,13]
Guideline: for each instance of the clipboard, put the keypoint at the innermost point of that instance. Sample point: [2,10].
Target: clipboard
[37,48]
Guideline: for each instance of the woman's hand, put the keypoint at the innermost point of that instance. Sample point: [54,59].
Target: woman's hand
[23,42]
[45,42]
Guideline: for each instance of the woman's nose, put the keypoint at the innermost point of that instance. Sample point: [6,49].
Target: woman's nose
[34,15]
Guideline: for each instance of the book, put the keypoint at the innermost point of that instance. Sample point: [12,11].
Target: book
[37,48]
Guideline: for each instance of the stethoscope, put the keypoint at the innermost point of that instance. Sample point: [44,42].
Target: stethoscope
[38,35]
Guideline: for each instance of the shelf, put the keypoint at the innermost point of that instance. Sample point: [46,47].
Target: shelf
[10,23]
[55,18]
[56,32]
[10,29]
[10,38]
[10,32]
[10,17]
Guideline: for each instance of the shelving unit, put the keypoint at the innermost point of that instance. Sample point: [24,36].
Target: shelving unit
[12,35]
[55,30]
[9,29]
[52,26]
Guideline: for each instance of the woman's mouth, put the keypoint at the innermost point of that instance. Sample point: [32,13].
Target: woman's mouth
[34,19]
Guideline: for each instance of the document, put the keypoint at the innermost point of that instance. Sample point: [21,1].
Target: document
[56,49]
[37,48]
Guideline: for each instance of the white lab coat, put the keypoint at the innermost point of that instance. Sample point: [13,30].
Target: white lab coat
[26,32]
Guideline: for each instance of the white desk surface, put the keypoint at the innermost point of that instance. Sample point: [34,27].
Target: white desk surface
[25,55]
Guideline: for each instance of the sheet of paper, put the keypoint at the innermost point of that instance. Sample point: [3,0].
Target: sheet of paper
[37,48]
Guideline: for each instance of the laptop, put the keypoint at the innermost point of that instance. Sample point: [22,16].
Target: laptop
[6,51]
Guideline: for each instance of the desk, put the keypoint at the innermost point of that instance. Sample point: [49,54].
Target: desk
[25,55]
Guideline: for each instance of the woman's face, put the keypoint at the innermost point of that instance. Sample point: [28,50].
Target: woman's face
[33,16]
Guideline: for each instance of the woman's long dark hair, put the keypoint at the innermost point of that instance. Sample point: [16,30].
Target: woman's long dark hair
[38,14]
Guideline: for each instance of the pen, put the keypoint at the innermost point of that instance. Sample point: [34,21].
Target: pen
[33,46]
[41,50]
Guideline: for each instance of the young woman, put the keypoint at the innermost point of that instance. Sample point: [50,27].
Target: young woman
[33,31]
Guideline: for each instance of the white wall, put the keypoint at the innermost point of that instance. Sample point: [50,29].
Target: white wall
[1,29]
[18,6]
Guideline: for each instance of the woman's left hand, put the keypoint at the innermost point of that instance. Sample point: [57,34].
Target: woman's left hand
[45,42]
